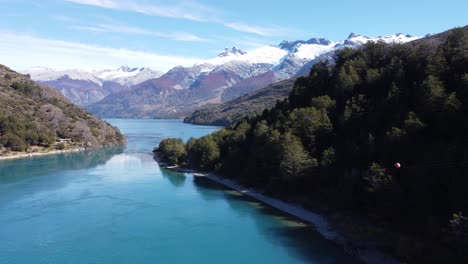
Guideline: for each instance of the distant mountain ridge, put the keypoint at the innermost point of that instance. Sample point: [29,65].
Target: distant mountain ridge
[249,104]
[182,90]
[84,87]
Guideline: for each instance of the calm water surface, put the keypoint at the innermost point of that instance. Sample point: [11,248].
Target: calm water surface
[116,205]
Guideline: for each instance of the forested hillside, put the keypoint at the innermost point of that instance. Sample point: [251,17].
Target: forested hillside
[343,128]
[35,116]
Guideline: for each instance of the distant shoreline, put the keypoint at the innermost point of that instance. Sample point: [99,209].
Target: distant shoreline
[23,155]
[319,222]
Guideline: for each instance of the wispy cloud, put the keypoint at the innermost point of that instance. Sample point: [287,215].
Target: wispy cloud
[188,10]
[246,43]
[262,31]
[183,10]
[23,51]
[63,18]
[100,3]
[181,36]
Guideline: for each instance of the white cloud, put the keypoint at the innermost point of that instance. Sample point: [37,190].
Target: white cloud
[182,36]
[262,31]
[100,3]
[23,51]
[63,18]
[184,10]
[245,43]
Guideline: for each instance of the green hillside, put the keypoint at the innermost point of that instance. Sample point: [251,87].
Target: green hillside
[33,117]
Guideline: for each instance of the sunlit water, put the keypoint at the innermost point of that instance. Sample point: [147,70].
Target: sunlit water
[117,206]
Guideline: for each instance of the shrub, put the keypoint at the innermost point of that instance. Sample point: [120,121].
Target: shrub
[60,146]
[172,151]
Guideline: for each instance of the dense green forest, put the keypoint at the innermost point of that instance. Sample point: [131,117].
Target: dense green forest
[341,130]
[35,115]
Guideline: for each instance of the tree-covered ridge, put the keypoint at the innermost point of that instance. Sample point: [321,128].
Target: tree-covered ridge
[343,128]
[32,115]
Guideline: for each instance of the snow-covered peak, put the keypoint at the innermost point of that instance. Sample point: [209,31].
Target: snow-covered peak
[126,69]
[291,45]
[266,54]
[311,51]
[129,69]
[128,76]
[352,35]
[231,51]
[46,74]
[399,38]
[124,75]
[354,39]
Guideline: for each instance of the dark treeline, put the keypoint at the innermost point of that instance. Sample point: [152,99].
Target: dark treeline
[343,128]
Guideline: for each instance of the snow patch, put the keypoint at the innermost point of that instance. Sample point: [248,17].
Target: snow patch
[124,75]
[311,51]
[266,54]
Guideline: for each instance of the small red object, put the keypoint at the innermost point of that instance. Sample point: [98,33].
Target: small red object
[397,165]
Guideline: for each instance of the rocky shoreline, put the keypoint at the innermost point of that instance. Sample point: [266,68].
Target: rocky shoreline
[23,155]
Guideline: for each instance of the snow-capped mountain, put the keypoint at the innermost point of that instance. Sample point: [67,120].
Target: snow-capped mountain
[232,73]
[127,76]
[289,57]
[85,87]
[45,74]
[266,54]
[354,39]
[233,51]
[124,75]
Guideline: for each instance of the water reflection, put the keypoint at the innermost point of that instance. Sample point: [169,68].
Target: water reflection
[18,170]
[177,179]
[291,233]
[127,167]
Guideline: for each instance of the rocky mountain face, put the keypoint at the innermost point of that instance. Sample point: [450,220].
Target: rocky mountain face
[87,87]
[36,115]
[253,103]
[182,90]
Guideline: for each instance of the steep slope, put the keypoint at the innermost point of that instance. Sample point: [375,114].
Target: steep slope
[34,116]
[151,99]
[247,105]
[249,85]
[80,92]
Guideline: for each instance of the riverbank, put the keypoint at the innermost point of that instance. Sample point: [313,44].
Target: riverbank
[319,222]
[24,155]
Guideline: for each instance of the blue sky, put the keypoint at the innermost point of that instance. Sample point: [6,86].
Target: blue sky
[96,34]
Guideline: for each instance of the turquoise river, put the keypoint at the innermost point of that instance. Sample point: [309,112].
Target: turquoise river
[116,205]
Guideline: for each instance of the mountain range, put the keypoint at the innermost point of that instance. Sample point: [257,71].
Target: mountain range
[86,87]
[144,93]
